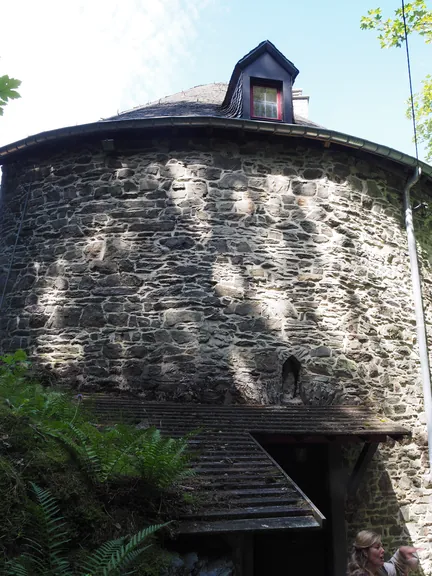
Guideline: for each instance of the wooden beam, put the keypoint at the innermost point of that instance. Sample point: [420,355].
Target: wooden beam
[242,546]
[360,467]
[337,485]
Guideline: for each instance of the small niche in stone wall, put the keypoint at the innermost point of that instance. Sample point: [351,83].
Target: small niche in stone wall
[291,380]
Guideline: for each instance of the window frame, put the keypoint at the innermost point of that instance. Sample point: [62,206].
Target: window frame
[258,83]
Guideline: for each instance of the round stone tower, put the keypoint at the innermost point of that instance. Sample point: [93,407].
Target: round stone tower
[185,251]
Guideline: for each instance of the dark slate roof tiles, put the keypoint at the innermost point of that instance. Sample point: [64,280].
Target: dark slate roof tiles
[204,100]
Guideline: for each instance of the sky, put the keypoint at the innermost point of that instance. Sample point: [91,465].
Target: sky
[80,61]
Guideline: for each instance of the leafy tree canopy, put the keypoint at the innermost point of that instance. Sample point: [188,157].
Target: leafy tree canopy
[8,91]
[391,34]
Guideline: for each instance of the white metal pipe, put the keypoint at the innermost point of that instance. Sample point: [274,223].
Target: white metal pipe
[419,311]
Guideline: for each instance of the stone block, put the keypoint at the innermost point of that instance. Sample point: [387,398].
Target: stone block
[234,180]
[206,172]
[152,226]
[227,162]
[312,173]
[148,184]
[278,184]
[247,309]
[92,316]
[228,290]
[253,325]
[37,320]
[124,173]
[120,320]
[124,279]
[182,336]
[25,282]
[244,206]
[309,277]
[304,188]
[173,170]
[130,186]
[65,317]
[104,266]
[173,317]
[257,183]
[137,351]
[321,352]
[133,369]
[112,351]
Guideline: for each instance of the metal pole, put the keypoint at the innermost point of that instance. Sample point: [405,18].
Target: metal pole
[3,294]
[419,312]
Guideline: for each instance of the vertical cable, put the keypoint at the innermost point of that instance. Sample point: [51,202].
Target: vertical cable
[410,80]
[15,246]
[415,271]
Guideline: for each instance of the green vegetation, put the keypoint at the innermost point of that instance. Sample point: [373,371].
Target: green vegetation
[73,490]
[8,91]
[44,554]
[391,34]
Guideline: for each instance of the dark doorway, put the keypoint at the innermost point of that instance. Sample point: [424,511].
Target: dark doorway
[303,552]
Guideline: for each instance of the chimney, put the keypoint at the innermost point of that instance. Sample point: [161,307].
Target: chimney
[300,103]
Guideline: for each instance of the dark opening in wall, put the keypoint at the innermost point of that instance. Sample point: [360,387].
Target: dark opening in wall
[290,377]
[290,552]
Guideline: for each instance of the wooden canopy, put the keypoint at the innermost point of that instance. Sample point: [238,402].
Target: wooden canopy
[240,487]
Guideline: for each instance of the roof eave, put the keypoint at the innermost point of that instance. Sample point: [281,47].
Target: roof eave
[288,130]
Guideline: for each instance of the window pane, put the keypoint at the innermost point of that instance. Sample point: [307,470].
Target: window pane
[271,110]
[265,102]
[271,94]
[259,92]
[259,109]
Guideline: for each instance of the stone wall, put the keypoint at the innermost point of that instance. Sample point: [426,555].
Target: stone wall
[215,270]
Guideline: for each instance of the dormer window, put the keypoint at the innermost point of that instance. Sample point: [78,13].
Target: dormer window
[266,101]
[261,86]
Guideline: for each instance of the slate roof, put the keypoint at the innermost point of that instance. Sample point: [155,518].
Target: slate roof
[203,100]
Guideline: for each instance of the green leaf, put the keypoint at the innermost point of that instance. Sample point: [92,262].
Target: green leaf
[114,557]
[391,33]
[8,91]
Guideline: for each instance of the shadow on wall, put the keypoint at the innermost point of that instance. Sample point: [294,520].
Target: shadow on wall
[195,273]
[376,506]
[158,276]
[214,271]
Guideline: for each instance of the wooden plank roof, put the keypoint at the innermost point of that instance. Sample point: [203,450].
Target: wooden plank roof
[239,486]
[293,420]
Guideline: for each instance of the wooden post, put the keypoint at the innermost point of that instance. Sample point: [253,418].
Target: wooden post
[337,480]
[359,470]
[242,552]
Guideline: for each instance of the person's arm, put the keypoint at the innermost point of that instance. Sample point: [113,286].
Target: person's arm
[404,560]
[395,566]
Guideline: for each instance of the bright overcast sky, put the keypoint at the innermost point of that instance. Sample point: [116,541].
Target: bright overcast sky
[80,61]
[83,60]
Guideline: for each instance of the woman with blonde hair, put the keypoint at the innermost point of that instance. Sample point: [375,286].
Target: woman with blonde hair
[367,557]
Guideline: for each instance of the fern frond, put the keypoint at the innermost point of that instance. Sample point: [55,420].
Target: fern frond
[161,461]
[102,555]
[101,563]
[15,568]
[52,533]
[82,452]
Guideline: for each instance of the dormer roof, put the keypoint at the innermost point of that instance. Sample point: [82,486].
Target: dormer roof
[251,57]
